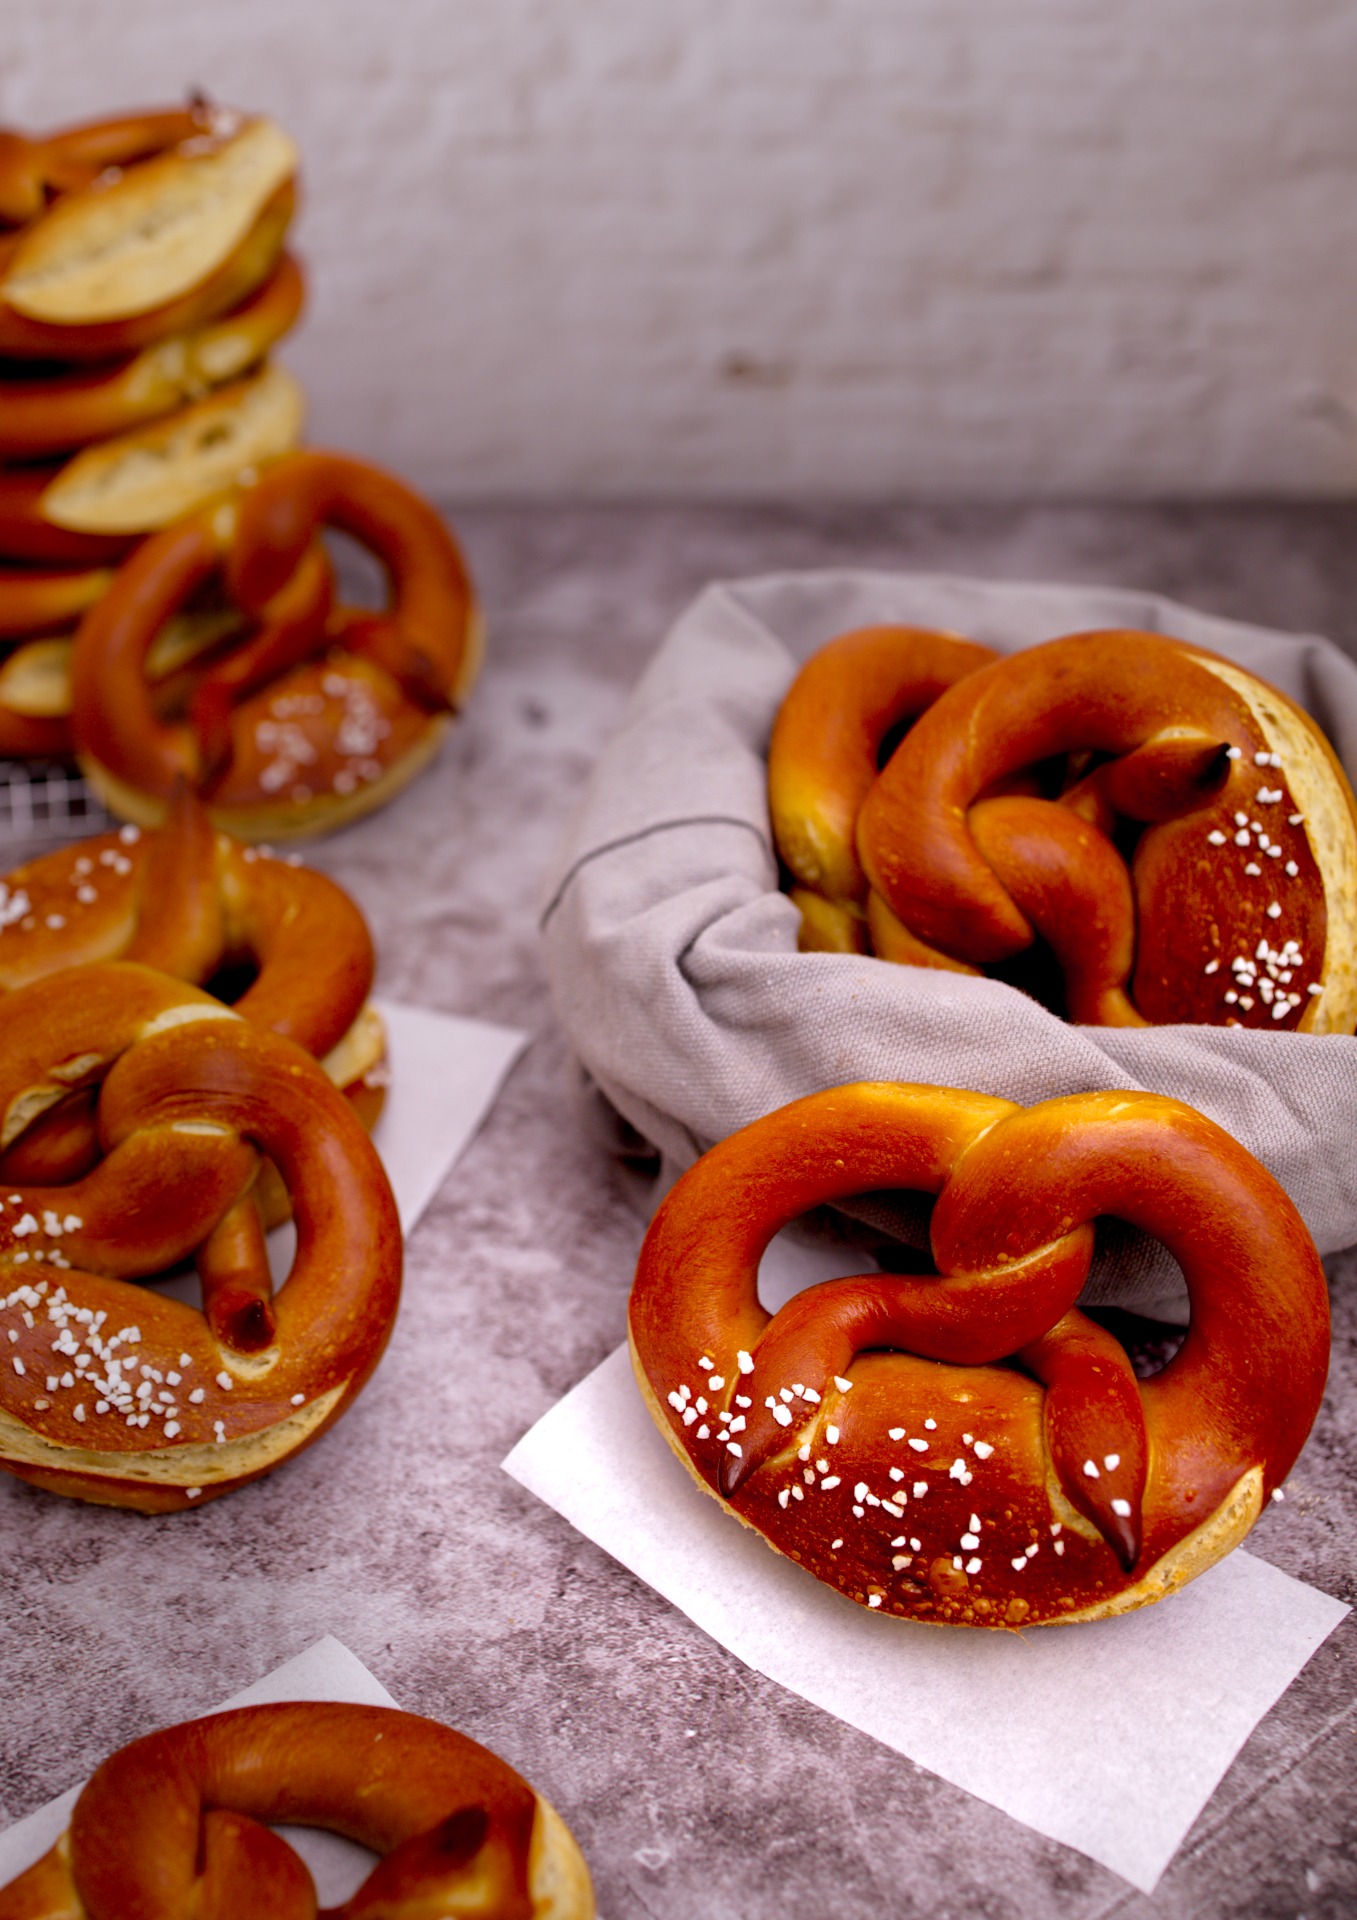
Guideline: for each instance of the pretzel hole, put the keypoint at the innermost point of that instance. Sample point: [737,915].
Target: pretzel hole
[233,979]
[1149,1344]
[360,576]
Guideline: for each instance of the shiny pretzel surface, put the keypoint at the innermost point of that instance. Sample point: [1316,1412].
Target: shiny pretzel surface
[968,1446]
[176,1826]
[126,1396]
[325,710]
[1136,830]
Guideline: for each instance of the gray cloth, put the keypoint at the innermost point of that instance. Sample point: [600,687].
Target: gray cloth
[672,956]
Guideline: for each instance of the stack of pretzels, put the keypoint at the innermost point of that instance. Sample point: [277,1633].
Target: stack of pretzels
[143,283]
[170,604]
[186,1057]
[1133,829]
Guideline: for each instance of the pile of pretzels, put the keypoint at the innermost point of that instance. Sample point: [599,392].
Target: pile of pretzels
[169,608]
[187,1056]
[1134,830]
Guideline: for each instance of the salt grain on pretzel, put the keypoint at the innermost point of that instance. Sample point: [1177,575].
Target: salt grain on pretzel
[970,1447]
[178,1825]
[127,1397]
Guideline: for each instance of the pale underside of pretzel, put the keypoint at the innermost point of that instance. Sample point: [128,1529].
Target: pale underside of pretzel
[45,414]
[970,1447]
[178,1826]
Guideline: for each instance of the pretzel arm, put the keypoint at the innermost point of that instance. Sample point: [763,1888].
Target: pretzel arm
[822,758]
[180,928]
[962,1318]
[1104,693]
[233,1267]
[1095,1427]
[111,694]
[1072,885]
[430,593]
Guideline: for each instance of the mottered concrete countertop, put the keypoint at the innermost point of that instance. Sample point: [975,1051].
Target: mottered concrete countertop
[698,1789]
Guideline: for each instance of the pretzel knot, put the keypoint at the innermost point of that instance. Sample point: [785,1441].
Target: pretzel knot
[175,1826]
[129,1397]
[324,712]
[970,1446]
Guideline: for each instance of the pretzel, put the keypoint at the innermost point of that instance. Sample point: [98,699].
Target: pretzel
[971,1448]
[822,760]
[1244,875]
[130,1398]
[155,251]
[175,1826]
[43,414]
[95,506]
[326,713]
[195,904]
[34,170]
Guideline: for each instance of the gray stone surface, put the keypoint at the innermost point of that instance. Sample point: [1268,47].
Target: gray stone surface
[697,1788]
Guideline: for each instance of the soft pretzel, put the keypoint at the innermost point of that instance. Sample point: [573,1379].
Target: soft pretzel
[150,252]
[1244,872]
[36,169]
[127,1397]
[326,712]
[970,1447]
[195,903]
[176,1825]
[44,413]
[95,506]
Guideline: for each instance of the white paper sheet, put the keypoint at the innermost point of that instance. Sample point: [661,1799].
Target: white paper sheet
[1110,1737]
[325,1671]
[445,1074]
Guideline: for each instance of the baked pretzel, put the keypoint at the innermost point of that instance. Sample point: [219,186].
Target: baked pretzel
[39,600]
[1242,901]
[196,904]
[326,712]
[175,1826]
[96,506]
[970,1447]
[44,413]
[153,251]
[36,169]
[131,1398]
[822,760]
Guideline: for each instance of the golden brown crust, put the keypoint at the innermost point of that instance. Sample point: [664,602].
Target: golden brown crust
[178,1823]
[322,713]
[1174,836]
[970,1448]
[155,1405]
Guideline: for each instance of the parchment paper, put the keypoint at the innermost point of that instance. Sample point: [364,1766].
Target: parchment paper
[1110,1737]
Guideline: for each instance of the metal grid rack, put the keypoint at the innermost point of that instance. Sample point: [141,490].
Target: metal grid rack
[45,801]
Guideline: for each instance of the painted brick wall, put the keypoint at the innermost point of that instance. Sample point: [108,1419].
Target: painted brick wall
[1003,248]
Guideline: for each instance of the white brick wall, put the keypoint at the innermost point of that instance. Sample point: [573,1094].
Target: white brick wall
[995,248]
